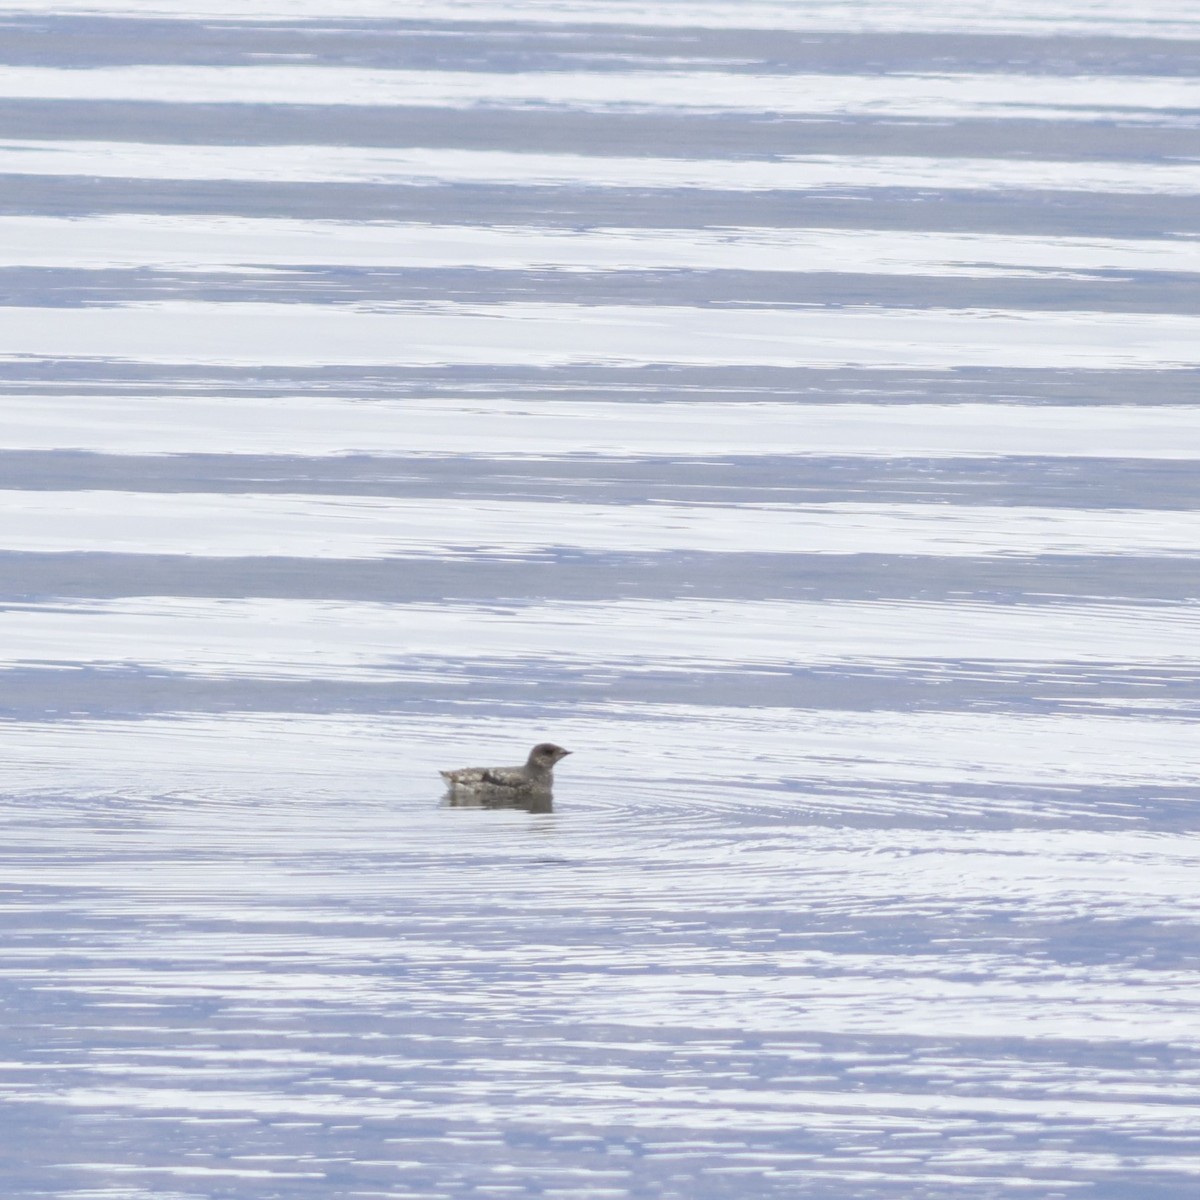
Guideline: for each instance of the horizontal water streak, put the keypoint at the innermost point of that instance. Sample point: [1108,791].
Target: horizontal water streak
[550,334]
[239,775]
[233,243]
[324,639]
[686,1132]
[323,527]
[929,96]
[517,432]
[439,167]
[1070,18]
[387,982]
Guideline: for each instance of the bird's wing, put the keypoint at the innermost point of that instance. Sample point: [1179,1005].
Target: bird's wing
[503,777]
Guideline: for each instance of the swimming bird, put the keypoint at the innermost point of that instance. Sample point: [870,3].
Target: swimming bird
[508,785]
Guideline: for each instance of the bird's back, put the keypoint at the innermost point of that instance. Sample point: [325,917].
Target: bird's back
[495,777]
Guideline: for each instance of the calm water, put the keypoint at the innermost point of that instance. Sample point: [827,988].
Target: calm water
[790,407]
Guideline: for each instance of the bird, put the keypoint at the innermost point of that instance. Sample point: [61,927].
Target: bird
[507,785]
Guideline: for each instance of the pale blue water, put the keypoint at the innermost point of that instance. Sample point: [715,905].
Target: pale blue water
[791,409]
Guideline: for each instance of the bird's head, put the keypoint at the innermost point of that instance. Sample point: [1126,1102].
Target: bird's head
[545,754]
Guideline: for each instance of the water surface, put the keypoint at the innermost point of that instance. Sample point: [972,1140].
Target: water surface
[791,409]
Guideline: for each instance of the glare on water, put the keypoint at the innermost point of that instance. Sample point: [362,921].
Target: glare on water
[790,409]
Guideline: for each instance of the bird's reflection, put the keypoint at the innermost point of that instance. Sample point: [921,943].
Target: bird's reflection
[540,802]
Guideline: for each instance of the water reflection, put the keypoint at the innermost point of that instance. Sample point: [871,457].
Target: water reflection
[537,802]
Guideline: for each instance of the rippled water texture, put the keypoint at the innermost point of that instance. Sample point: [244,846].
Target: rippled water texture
[791,408]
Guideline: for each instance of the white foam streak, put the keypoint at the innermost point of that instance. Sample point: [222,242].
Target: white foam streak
[976,95]
[1111,18]
[512,169]
[502,429]
[219,243]
[519,334]
[279,639]
[363,527]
